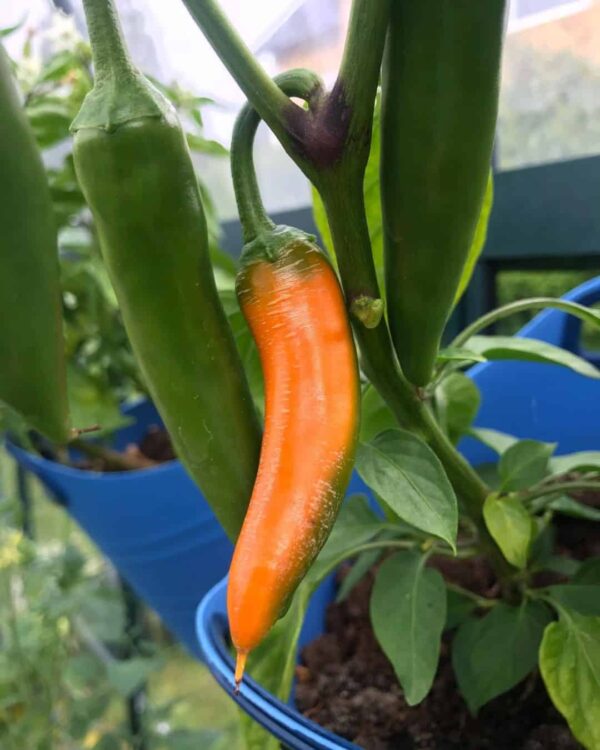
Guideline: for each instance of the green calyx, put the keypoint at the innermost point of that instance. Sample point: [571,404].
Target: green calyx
[271,243]
[121,93]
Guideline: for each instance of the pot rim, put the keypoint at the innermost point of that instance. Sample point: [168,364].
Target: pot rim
[281,720]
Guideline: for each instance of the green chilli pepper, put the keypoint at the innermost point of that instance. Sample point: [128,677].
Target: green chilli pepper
[136,173]
[439,109]
[32,362]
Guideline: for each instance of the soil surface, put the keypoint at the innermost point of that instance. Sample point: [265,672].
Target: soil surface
[575,537]
[154,448]
[156,445]
[346,684]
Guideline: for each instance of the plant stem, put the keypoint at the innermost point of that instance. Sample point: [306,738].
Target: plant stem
[561,487]
[382,544]
[534,303]
[106,36]
[344,205]
[358,77]
[481,601]
[253,216]
[342,123]
[266,97]
[251,211]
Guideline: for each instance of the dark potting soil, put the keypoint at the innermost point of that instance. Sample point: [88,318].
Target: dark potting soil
[154,448]
[346,684]
[156,445]
[576,537]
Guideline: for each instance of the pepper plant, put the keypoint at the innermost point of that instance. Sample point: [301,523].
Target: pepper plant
[431,143]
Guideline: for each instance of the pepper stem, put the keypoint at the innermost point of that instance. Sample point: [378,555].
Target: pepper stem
[253,216]
[120,93]
[108,43]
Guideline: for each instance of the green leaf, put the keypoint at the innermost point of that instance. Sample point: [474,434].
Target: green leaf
[128,676]
[499,442]
[458,609]
[490,655]
[584,460]
[524,463]
[478,239]
[59,66]
[372,197]
[50,119]
[511,526]
[566,566]
[589,572]
[408,611]
[356,524]
[542,549]
[320,217]
[570,667]
[570,507]
[81,670]
[224,263]
[8,30]
[249,355]
[581,598]
[375,416]
[361,566]
[488,472]
[456,354]
[205,146]
[529,350]
[457,400]
[409,477]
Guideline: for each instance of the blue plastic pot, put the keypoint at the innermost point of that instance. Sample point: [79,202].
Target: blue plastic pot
[278,718]
[528,400]
[153,525]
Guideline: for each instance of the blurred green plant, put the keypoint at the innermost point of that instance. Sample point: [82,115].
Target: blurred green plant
[66,663]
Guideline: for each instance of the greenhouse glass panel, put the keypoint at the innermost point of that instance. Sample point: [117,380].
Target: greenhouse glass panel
[550,97]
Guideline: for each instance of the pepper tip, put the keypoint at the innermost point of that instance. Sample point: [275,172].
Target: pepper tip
[240,666]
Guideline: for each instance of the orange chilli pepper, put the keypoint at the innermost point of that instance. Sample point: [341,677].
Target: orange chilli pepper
[295,309]
[294,306]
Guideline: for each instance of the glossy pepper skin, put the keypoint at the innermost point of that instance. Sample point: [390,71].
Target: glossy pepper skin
[136,173]
[295,309]
[439,108]
[32,362]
